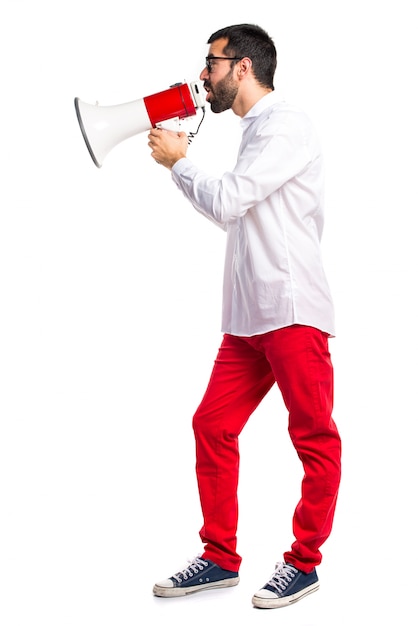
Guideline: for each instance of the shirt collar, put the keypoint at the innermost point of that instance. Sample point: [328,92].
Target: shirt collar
[264,103]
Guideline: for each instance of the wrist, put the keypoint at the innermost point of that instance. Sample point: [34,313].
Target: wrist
[175,159]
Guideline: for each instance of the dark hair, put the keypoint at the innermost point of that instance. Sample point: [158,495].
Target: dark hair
[249,40]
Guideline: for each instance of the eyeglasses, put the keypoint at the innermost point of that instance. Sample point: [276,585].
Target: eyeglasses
[210,59]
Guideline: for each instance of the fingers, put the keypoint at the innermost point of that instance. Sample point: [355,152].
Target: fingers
[154,132]
[167,146]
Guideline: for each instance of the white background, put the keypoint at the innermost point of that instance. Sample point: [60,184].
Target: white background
[110,289]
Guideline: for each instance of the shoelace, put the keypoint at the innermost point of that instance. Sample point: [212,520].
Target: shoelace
[282,576]
[195,566]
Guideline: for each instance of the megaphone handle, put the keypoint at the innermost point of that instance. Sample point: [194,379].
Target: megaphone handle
[171,124]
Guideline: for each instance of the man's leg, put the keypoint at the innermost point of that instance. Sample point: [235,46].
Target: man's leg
[302,366]
[241,377]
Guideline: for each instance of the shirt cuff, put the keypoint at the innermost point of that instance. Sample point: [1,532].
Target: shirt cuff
[183,172]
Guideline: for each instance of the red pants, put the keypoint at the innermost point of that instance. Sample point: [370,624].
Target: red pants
[297,358]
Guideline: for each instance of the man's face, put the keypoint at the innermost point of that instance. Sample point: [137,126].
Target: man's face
[219,82]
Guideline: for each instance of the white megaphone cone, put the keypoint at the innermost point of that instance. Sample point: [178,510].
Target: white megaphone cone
[103,127]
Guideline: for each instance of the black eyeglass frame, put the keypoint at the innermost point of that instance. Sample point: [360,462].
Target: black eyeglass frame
[210,59]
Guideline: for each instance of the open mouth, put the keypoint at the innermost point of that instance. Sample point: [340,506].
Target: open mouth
[207,89]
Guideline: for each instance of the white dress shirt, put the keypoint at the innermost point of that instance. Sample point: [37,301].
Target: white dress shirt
[271,206]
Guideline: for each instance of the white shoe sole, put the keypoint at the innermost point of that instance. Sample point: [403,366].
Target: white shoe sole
[173,592]
[276,603]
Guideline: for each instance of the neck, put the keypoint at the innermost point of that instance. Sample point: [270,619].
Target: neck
[244,102]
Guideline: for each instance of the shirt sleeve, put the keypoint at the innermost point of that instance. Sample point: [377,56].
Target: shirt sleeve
[277,151]
[198,187]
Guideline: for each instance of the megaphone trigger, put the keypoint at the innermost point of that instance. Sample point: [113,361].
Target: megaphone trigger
[173,124]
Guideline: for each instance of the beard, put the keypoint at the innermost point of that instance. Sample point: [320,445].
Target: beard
[223,93]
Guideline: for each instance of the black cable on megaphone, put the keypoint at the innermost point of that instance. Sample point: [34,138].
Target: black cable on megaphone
[103,127]
[192,135]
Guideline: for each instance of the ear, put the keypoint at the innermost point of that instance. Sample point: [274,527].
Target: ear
[244,67]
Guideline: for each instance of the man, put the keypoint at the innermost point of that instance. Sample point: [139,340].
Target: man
[277,314]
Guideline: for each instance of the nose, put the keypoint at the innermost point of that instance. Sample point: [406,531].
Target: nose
[204,74]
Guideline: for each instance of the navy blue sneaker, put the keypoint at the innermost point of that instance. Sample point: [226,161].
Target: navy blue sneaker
[198,575]
[286,586]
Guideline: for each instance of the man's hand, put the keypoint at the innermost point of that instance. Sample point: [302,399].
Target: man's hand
[167,146]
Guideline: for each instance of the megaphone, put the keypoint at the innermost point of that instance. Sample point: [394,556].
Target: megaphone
[103,127]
